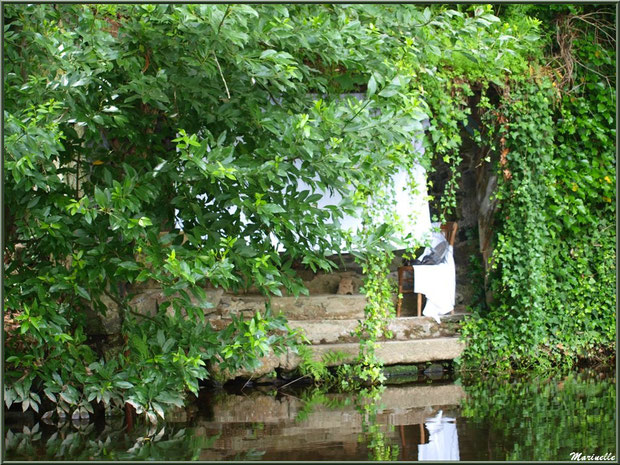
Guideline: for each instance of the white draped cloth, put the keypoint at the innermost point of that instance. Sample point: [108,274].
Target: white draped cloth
[443,443]
[436,282]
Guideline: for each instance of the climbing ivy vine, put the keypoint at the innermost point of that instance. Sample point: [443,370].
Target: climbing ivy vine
[553,267]
[443,56]
[524,139]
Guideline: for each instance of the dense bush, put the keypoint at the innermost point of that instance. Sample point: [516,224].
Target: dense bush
[126,123]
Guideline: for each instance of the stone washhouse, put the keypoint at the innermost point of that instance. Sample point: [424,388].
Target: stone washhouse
[329,314]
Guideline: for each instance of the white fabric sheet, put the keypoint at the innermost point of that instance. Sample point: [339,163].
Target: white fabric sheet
[437,283]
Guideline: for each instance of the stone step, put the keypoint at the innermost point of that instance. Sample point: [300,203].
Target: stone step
[318,307]
[403,329]
[313,307]
[399,352]
[390,352]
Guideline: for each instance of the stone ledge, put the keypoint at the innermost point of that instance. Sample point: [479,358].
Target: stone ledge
[390,352]
[314,307]
[403,329]
[397,352]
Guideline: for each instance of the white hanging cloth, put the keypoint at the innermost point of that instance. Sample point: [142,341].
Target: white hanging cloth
[436,282]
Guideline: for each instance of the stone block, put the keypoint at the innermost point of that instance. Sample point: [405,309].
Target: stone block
[147,301]
[103,324]
[403,329]
[400,352]
[313,307]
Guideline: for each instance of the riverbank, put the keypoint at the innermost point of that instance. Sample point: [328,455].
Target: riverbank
[490,418]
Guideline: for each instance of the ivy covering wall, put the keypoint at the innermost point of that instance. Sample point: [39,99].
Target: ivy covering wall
[552,130]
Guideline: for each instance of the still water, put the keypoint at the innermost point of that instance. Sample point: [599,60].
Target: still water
[529,418]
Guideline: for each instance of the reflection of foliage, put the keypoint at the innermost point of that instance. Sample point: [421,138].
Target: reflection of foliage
[366,402]
[379,447]
[80,441]
[318,396]
[250,455]
[545,419]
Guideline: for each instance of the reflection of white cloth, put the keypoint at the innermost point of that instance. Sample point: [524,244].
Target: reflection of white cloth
[443,443]
[437,283]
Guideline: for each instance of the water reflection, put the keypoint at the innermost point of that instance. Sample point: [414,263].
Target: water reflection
[377,439]
[443,443]
[316,425]
[84,441]
[542,417]
[484,419]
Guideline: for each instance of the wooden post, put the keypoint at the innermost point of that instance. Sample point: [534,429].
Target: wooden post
[130,410]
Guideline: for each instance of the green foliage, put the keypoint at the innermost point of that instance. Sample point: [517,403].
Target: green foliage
[126,123]
[452,52]
[518,259]
[476,275]
[318,370]
[164,144]
[378,312]
[478,49]
[554,259]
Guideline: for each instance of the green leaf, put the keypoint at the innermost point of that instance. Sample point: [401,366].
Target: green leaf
[158,409]
[267,54]
[273,208]
[69,397]
[144,221]
[9,397]
[100,197]
[50,395]
[82,292]
[372,86]
[127,265]
[169,398]
[169,344]
[123,384]
[33,202]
